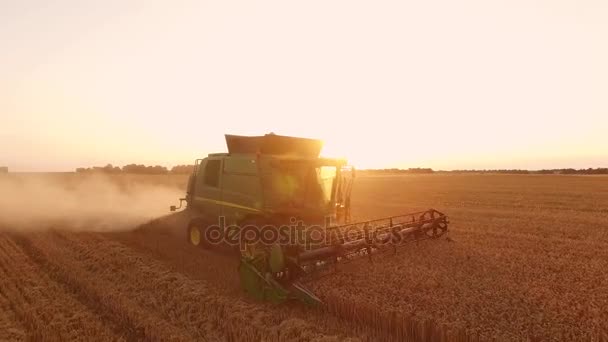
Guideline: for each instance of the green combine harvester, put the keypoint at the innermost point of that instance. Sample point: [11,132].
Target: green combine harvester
[286,212]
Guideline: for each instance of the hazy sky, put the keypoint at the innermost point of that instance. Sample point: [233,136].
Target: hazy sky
[443,84]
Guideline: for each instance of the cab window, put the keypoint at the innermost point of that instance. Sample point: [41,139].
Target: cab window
[212,173]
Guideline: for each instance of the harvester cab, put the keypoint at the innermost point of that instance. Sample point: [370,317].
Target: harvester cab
[287,213]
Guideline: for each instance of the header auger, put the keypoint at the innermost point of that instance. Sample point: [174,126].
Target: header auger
[287,214]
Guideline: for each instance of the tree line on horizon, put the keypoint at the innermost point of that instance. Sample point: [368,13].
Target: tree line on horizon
[138,169]
[565,171]
[187,169]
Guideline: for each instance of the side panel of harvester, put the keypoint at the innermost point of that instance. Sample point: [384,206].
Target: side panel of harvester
[228,187]
[242,189]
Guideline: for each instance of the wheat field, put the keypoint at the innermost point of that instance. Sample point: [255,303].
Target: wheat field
[526,259]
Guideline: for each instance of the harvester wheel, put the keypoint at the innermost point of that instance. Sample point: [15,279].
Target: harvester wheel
[439,224]
[439,228]
[196,234]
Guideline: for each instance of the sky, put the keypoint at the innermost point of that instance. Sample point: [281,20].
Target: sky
[444,84]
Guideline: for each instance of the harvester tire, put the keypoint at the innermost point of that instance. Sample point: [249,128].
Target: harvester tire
[196,233]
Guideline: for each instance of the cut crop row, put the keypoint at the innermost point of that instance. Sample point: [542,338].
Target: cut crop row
[44,307]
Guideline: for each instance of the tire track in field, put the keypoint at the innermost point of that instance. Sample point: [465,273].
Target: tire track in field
[191,305]
[44,307]
[117,311]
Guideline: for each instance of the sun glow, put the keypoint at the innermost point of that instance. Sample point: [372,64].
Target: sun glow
[384,85]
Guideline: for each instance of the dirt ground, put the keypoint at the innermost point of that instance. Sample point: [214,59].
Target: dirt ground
[526,260]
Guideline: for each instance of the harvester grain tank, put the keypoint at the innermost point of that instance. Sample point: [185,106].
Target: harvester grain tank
[285,211]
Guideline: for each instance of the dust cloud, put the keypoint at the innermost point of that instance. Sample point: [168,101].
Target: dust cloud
[82,202]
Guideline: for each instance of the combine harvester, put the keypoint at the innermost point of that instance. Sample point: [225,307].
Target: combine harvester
[287,212]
